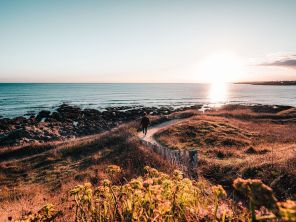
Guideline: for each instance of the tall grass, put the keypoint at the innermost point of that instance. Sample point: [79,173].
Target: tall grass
[159,197]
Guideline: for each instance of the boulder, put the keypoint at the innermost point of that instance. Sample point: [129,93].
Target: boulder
[42,114]
[14,136]
[57,116]
[69,112]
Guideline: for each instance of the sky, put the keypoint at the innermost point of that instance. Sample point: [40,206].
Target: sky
[147,41]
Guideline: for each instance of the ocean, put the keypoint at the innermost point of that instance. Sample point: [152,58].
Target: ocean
[18,99]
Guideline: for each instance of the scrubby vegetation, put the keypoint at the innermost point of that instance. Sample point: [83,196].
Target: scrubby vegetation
[159,197]
[233,142]
[236,141]
[28,180]
[202,133]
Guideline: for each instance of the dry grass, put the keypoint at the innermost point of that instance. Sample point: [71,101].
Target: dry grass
[33,176]
[204,131]
[246,143]
[230,146]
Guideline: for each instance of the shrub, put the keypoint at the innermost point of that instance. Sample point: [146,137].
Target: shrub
[159,197]
[261,195]
[154,197]
[46,213]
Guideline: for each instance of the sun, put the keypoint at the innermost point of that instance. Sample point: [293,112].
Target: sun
[220,68]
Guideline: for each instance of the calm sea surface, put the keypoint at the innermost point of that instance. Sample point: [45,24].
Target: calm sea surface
[21,99]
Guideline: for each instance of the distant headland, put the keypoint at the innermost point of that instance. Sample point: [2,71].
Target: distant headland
[272,83]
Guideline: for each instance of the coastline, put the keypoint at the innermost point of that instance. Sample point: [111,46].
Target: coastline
[26,100]
[270,83]
[68,122]
[53,155]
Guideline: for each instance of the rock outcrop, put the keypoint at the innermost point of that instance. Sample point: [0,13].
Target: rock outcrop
[70,121]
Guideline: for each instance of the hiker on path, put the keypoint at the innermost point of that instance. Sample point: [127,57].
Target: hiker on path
[145,122]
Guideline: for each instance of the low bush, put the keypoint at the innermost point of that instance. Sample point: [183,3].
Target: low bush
[159,197]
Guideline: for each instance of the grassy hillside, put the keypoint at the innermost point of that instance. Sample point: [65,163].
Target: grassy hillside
[33,176]
[157,196]
[40,175]
[235,143]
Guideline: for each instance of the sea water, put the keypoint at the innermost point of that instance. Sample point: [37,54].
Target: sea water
[25,98]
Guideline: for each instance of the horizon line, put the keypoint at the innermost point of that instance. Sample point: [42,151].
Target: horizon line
[141,82]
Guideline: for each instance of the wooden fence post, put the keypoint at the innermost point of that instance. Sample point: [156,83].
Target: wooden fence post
[192,163]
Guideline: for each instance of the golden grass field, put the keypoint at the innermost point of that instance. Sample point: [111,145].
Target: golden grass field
[35,175]
[240,143]
[232,142]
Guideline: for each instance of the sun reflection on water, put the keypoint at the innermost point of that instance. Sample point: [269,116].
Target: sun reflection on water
[218,93]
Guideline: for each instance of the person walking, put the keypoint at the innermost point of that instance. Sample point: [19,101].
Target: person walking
[145,122]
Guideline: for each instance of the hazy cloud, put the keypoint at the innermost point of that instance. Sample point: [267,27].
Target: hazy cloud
[288,61]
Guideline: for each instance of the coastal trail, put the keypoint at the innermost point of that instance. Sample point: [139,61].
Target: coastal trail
[149,137]
[185,159]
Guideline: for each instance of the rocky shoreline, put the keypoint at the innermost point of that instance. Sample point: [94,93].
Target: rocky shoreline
[71,121]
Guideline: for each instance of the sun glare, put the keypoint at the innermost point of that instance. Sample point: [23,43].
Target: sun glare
[217,93]
[218,69]
[221,67]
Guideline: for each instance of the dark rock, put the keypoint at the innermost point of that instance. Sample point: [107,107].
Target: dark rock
[42,114]
[19,120]
[69,112]
[4,124]
[91,113]
[108,115]
[13,136]
[69,121]
[57,116]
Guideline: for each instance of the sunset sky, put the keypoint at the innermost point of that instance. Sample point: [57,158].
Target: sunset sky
[147,41]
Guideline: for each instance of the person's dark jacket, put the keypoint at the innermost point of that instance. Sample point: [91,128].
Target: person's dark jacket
[145,121]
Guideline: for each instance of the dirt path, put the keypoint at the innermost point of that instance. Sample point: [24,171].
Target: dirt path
[186,160]
[153,129]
